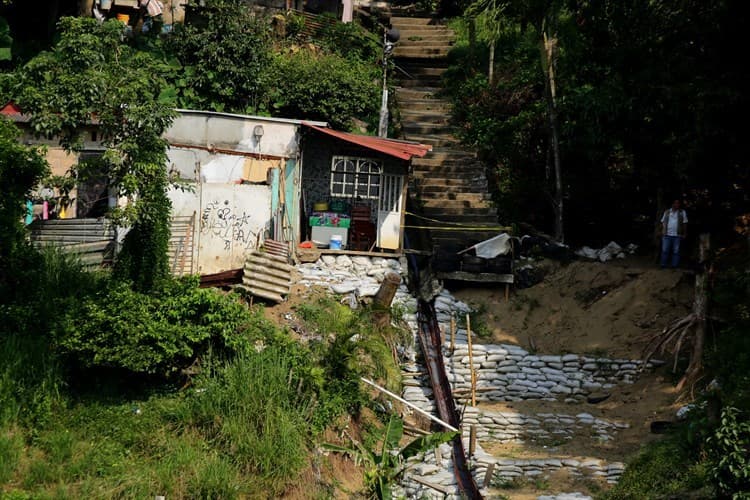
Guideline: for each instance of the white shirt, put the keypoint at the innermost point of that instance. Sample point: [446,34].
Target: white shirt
[674,222]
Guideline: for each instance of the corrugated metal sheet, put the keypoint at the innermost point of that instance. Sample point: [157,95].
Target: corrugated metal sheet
[93,240]
[404,150]
[267,276]
[66,231]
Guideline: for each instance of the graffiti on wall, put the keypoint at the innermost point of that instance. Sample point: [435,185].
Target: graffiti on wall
[221,220]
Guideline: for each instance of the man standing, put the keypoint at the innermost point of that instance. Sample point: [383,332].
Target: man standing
[674,229]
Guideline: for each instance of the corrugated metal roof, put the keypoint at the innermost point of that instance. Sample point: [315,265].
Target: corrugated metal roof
[246,117]
[14,113]
[404,150]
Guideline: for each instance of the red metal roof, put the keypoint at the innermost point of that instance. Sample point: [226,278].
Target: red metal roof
[399,149]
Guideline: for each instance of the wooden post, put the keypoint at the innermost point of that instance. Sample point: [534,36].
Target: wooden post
[471,362]
[438,456]
[488,474]
[472,439]
[387,290]
[453,334]
[507,291]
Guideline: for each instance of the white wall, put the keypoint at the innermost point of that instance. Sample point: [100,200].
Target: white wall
[235,132]
[230,220]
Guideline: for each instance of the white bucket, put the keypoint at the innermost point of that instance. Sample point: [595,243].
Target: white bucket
[336,242]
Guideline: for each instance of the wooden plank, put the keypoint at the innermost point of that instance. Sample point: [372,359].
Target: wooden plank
[385,255]
[478,277]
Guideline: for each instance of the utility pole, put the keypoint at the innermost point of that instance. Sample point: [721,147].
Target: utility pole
[390,37]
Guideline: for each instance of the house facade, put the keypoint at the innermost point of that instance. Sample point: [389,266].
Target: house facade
[240,180]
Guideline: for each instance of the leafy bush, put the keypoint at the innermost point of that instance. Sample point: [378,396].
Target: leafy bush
[663,469]
[158,332]
[351,41]
[326,87]
[352,347]
[729,454]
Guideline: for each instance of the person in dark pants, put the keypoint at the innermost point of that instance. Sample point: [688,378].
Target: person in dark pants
[674,229]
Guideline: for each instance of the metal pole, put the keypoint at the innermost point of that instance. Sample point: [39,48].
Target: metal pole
[383,123]
[410,405]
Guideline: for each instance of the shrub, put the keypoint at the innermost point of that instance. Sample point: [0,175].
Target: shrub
[729,454]
[158,332]
[663,469]
[324,87]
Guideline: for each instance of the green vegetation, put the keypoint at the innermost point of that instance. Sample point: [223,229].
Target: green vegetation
[632,129]
[707,455]
[384,464]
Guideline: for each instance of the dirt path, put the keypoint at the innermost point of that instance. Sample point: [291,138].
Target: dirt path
[606,310]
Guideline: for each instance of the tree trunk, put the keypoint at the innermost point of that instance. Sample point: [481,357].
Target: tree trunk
[548,65]
[491,72]
[700,308]
[85,7]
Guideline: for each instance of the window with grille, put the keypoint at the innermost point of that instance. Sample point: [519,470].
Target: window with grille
[355,177]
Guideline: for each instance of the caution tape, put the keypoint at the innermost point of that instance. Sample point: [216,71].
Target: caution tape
[454,226]
[478,228]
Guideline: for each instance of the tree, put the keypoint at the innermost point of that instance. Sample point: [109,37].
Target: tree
[92,76]
[21,169]
[542,18]
[225,54]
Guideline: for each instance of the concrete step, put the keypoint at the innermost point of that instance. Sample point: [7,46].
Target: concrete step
[432,36]
[433,105]
[417,41]
[455,204]
[420,71]
[459,213]
[421,81]
[438,156]
[413,21]
[413,30]
[442,140]
[421,92]
[461,196]
[428,187]
[427,128]
[409,116]
[435,51]
[449,172]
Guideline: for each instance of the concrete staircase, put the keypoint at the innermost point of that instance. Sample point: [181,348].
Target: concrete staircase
[449,185]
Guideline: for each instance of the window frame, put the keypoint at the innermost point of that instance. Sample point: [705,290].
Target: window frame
[353,178]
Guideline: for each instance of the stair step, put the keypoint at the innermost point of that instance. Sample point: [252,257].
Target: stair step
[434,140]
[449,172]
[422,81]
[456,204]
[413,21]
[423,71]
[426,36]
[423,52]
[415,42]
[437,156]
[420,92]
[409,116]
[426,128]
[461,196]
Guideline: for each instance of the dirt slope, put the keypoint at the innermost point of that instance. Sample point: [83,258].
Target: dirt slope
[606,309]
